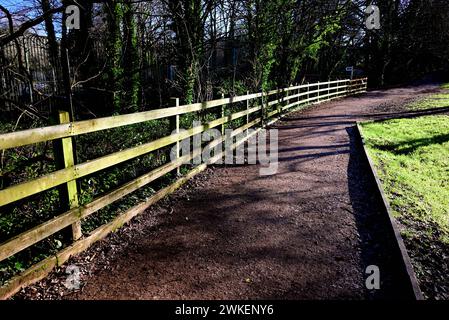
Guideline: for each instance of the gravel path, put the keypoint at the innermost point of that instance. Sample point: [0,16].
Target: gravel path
[307,232]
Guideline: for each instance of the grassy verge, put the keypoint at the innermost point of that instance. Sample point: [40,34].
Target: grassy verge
[412,160]
[440,100]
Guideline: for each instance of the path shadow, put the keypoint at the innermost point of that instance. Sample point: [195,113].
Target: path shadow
[377,116]
[376,236]
[408,114]
[301,148]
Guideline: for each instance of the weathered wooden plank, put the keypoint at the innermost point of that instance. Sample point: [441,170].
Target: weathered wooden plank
[56,178]
[59,177]
[315,98]
[242,129]
[304,86]
[31,136]
[272,113]
[25,189]
[243,113]
[235,132]
[302,94]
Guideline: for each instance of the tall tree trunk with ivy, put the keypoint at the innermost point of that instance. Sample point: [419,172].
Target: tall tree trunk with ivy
[263,40]
[284,70]
[131,77]
[114,72]
[188,25]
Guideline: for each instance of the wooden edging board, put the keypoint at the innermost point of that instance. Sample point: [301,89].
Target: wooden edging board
[405,258]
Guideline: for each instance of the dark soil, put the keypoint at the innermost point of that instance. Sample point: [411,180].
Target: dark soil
[307,232]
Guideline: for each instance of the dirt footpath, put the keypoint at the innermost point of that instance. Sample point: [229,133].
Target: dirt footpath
[307,232]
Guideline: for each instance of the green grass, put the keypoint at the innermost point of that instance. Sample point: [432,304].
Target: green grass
[412,160]
[440,100]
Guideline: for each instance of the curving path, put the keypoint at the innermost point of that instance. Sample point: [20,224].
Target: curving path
[307,232]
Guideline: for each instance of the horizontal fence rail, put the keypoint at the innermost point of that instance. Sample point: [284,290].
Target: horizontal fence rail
[267,106]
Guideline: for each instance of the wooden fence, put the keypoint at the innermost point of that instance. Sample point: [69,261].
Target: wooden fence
[267,106]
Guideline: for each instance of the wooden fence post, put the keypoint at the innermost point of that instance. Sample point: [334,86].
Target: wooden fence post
[262,107]
[337,89]
[222,115]
[298,92]
[329,89]
[174,126]
[280,96]
[308,94]
[318,92]
[69,161]
[267,107]
[247,115]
